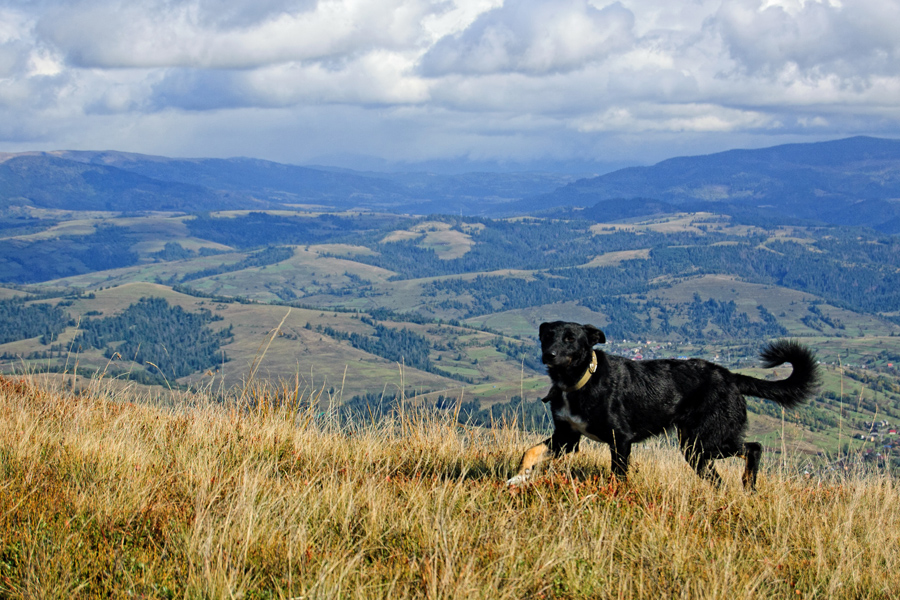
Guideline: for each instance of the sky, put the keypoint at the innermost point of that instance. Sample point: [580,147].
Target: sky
[578,85]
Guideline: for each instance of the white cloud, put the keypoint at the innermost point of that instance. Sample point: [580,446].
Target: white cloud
[533,36]
[415,79]
[700,118]
[375,78]
[160,33]
[857,39]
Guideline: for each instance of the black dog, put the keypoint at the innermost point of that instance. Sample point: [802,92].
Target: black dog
[618,401]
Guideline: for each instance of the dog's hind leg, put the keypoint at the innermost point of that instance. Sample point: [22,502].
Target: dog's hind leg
[706,469]
[702,463]
[752,454]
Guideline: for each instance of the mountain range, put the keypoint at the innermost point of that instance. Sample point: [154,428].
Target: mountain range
[853,181]
[82,180]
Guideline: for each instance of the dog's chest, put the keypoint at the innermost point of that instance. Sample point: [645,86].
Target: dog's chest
[568,412]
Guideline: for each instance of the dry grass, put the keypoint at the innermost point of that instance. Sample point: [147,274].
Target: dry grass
[102,497]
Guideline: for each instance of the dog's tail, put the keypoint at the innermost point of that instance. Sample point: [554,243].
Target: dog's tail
[798,387]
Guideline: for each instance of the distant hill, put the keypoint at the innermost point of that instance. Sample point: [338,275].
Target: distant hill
[47,181]
[260,179]
[854,181]
[120,181]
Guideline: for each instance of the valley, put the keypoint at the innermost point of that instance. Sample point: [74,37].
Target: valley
[461,299]
[118,266]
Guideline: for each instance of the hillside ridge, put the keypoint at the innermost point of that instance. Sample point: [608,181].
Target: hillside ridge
[853,181]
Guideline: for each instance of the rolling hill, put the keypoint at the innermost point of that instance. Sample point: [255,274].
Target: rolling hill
[851,182]
[83,180]
[376,306]
[381,304]
[47,181]
[854,181]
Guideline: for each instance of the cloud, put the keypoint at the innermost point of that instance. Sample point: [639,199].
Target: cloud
[13,59]
[697,118]
[376,78]
[533,36]
[416,79]
[853,39]
[200,34]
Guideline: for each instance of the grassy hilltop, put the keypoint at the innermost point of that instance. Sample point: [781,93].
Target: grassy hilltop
[109,494]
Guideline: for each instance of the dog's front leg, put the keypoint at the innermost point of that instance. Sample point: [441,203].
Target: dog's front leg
[563,441]
[532,461]
[620,451]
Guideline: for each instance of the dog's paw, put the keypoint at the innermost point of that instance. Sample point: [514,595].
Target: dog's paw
[517,480]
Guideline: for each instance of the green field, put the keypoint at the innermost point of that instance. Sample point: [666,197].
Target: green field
[474,291]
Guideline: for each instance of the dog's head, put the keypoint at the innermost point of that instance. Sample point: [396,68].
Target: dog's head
[565,345]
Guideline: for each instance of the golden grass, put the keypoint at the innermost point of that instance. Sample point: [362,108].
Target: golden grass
[103,497]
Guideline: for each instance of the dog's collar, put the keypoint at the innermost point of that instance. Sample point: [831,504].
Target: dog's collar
[587,374]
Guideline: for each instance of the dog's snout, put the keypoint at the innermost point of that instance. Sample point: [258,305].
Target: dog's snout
[549,356]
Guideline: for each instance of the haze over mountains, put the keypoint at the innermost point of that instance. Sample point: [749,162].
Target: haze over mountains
[853,181]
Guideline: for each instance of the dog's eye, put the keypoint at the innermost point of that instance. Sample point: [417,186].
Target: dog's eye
[569,339]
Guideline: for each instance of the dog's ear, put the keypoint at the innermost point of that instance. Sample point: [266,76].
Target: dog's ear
[542,329]
[595,336]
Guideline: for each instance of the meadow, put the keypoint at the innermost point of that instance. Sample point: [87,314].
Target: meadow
[114,493]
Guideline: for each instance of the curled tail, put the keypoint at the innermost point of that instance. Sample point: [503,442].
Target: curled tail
[798,387]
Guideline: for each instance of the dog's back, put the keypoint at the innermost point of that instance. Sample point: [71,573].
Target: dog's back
[654,395]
